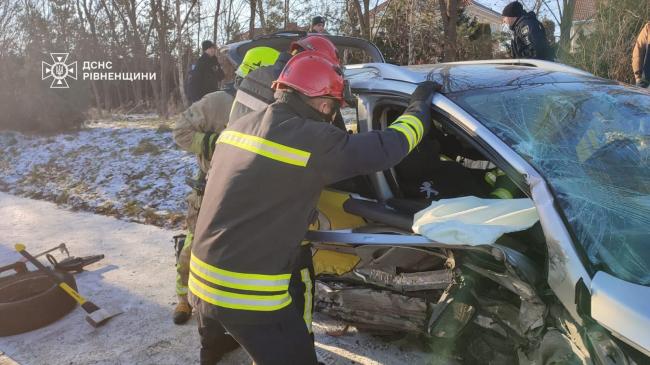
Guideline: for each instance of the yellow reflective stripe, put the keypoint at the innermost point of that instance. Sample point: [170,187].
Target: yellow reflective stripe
[502,193]
[266,148]
[407,132]
[306,316]
[235,283]
[236,280]
[221,298]
[414,122]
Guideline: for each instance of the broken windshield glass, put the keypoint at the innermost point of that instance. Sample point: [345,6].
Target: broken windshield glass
[592,144]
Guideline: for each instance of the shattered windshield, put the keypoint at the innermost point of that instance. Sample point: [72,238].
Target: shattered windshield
[592,144]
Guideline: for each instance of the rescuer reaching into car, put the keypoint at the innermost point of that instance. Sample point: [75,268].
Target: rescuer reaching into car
[260,198]
[255,93]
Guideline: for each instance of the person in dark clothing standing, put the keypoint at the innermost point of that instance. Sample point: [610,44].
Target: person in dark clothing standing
[318,25]
[207,73]
[529,36]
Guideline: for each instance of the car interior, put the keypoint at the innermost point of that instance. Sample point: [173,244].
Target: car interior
[443,166]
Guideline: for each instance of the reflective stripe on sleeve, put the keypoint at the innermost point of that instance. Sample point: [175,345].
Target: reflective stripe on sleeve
[309,300]
[266,148]
[249,101]
[411,127]
[250,302]
[414,123]
[236,280]
[407,132]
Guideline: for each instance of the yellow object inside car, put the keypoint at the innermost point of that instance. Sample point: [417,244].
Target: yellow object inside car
[332,216]
[334,263]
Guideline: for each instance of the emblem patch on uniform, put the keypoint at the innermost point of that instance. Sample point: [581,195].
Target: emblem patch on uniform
[59,70]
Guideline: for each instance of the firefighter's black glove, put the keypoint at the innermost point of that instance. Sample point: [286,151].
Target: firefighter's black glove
[420,105]
[209,142]
[425,91]
[642,83]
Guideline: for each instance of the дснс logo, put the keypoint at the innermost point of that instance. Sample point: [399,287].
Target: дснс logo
[59,70]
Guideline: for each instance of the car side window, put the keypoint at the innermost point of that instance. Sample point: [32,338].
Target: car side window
[350,119]
[441,166]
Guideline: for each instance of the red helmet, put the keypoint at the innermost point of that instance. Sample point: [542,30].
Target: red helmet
[312,76]
[318,44]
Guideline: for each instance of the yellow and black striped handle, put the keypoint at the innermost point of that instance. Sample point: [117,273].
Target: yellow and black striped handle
[85,304]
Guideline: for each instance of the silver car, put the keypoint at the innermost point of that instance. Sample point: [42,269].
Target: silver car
[574,288]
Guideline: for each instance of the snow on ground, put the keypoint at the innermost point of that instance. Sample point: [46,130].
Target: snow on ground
[129,168]
[137,276]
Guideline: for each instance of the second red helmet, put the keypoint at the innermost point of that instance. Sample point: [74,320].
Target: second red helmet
[318,44]
[312,76]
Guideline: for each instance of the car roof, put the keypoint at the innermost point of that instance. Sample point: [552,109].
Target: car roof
[471,75]
[281,41]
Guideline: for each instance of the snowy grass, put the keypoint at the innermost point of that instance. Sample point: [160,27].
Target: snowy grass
[129,168]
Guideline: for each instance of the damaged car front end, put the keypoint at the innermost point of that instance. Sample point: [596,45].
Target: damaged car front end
[571,287]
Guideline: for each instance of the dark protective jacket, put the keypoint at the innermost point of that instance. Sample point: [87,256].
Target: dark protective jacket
[254,92]
[529,39]
[205,77]
[261,197]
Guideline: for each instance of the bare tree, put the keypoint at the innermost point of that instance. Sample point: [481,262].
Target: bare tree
[562,13]
[261,13]
[215,23]
[251,23]
[363,15]
[449,14]
[181,20]
[286,14]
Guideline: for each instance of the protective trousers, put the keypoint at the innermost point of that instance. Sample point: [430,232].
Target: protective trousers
[183,262]
[286,341]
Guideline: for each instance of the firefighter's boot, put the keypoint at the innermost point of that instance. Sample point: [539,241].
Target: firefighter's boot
[183,310]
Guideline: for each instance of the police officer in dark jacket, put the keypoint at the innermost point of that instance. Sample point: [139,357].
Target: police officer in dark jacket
[529,36]
[207,73]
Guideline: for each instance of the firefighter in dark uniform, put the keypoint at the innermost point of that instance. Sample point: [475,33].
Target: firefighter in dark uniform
[261,197]
[529,36]
[254,93]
